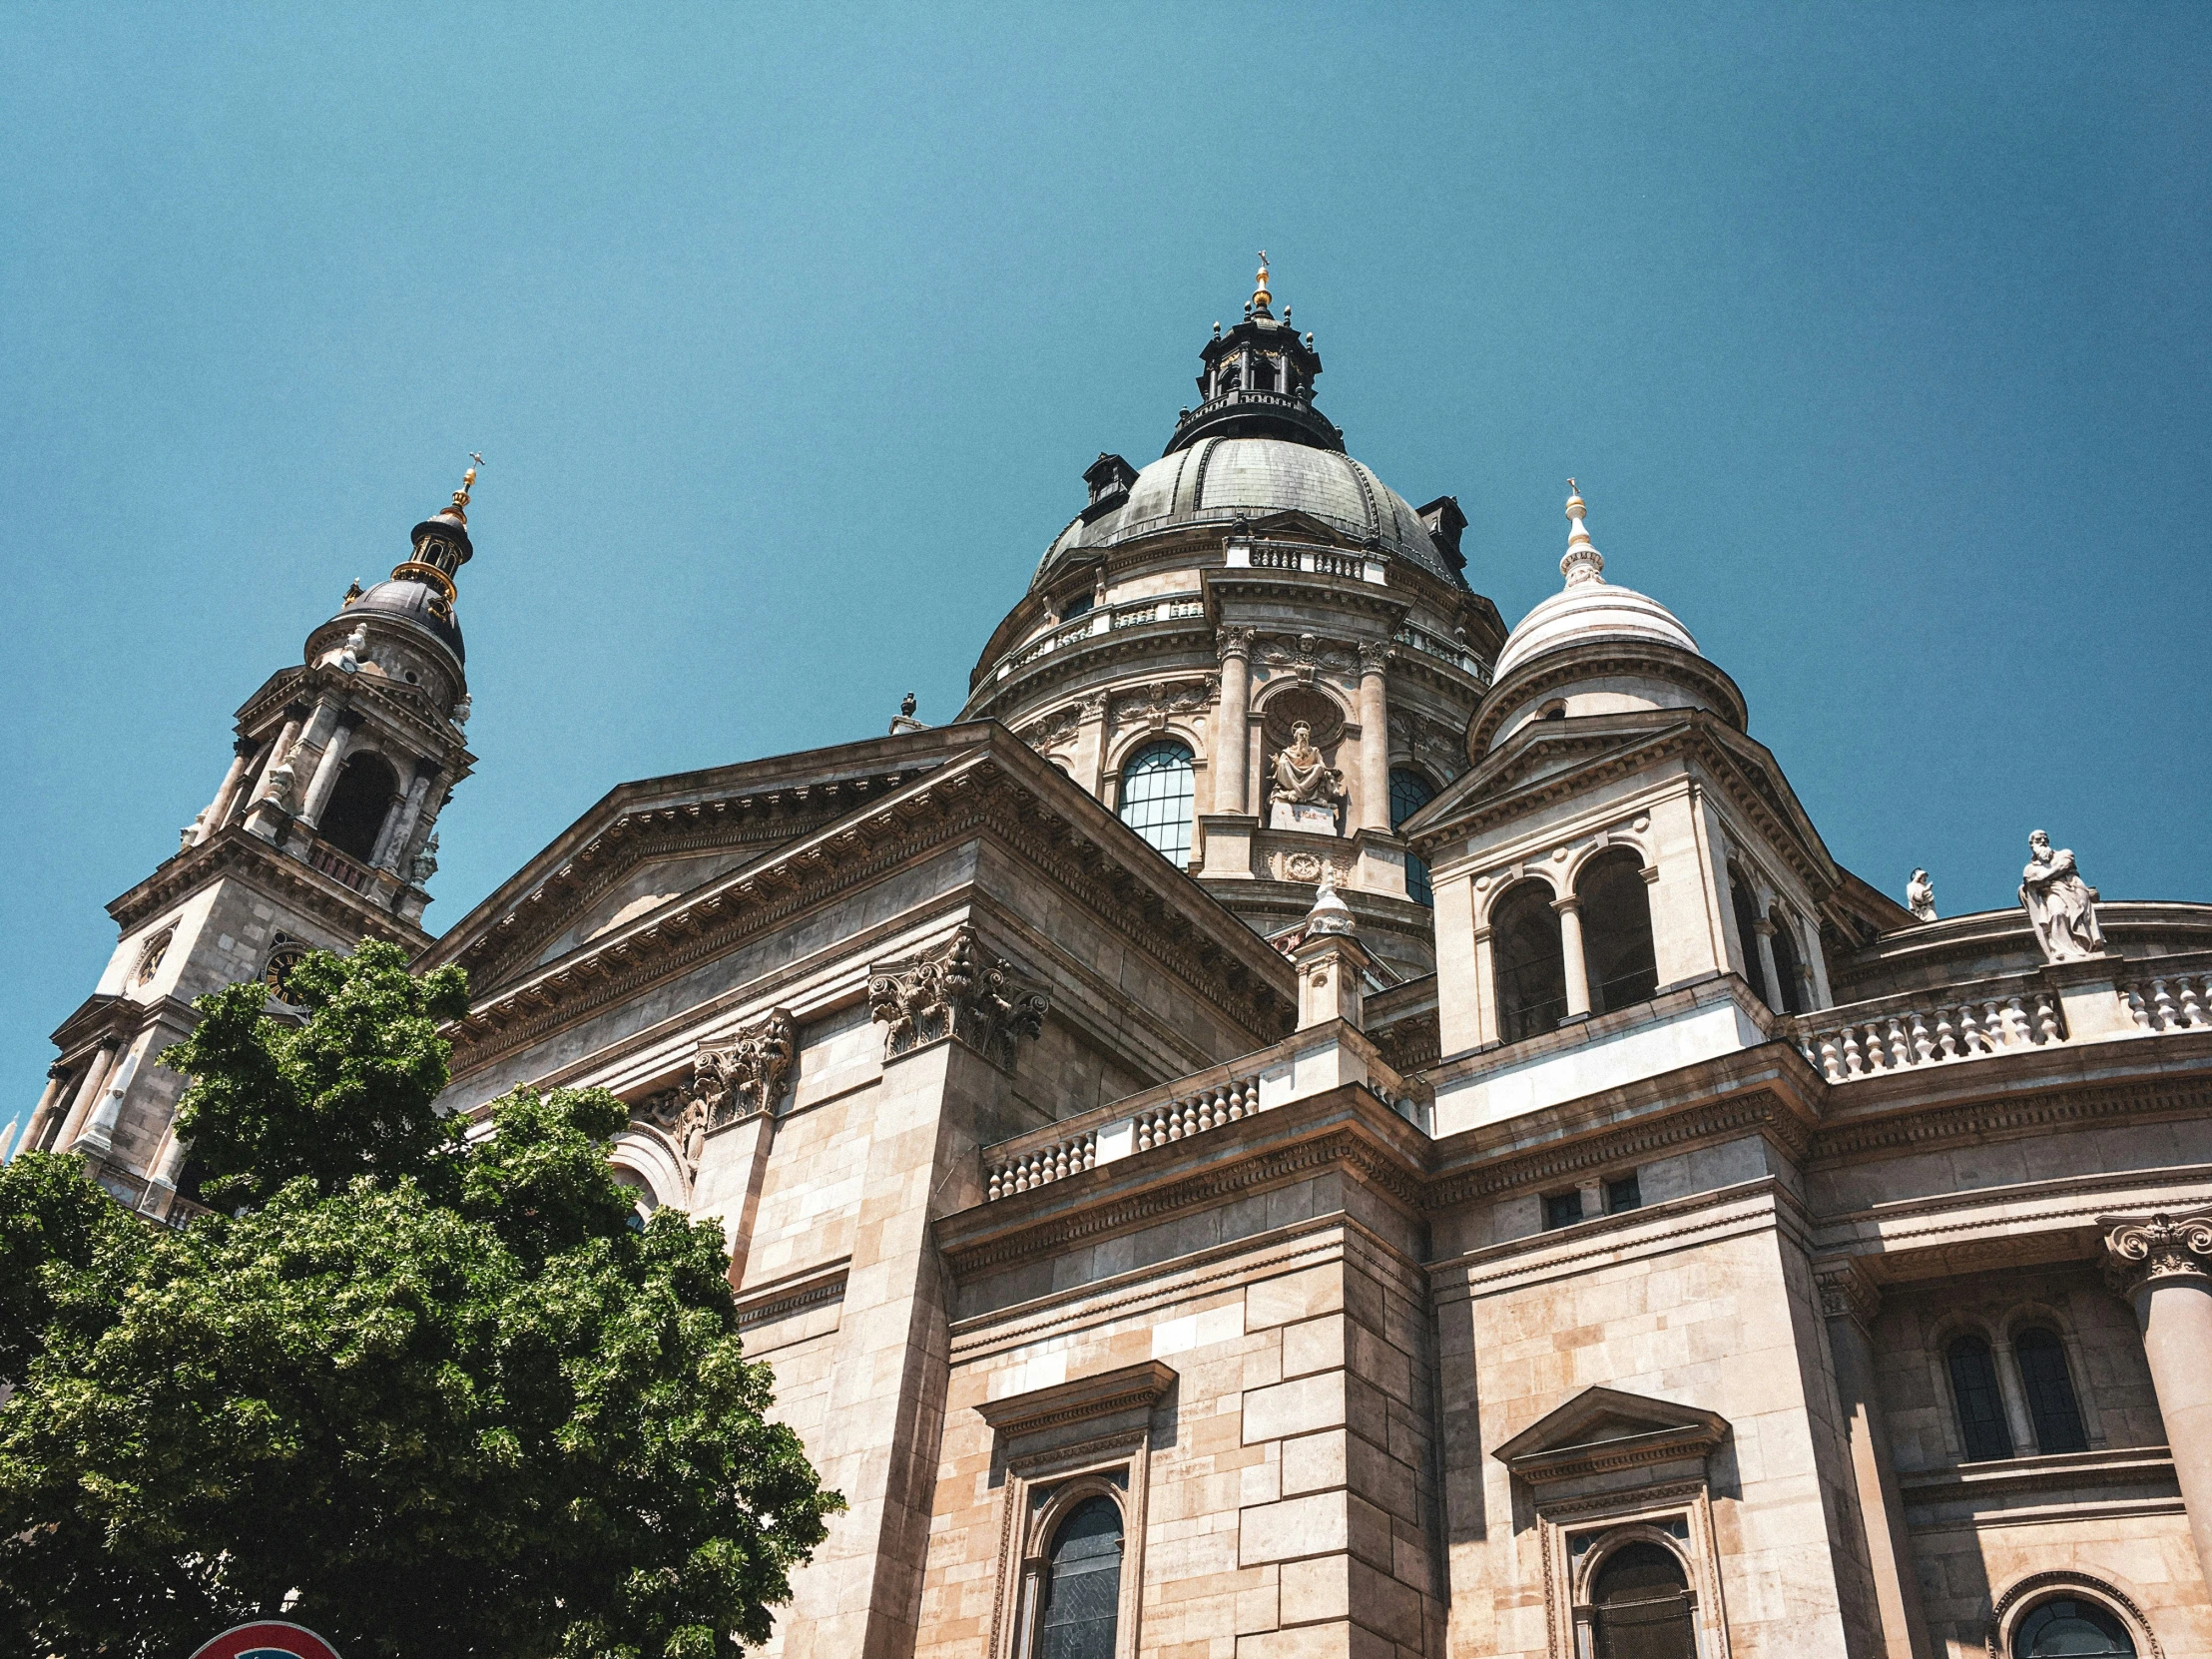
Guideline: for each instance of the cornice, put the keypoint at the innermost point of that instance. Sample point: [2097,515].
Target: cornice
[1573,664]
[1923,1128]
[234,850]
[1104,1393]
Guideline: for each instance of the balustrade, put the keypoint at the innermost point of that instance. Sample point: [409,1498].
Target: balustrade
[2169,1001]
[338,866]
[1897,1034]
[1031,1162]
[1429,645]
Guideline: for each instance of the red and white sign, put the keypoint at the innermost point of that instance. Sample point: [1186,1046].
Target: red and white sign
[267,1639]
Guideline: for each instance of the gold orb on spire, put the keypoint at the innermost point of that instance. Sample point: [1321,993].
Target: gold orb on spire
[1260,295]
[469,482]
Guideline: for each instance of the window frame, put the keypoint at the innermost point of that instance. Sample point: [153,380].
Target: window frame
[1419,887]
[1122,802]
[2011,1609]
[1117,1465]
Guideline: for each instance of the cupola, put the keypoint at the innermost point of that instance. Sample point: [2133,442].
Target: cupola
[1257,381]
[1596,648]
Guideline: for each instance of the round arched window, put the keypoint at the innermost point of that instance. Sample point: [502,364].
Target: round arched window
[1158,788]
[2068,1626]
[1410,793]
[1644,1605]
[1080,1610]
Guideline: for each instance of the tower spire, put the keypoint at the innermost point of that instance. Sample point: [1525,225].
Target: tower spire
[1583,562]
[441,544]
[1260,295]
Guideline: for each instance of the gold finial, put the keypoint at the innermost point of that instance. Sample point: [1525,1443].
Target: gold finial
[469,482]
[1260,295]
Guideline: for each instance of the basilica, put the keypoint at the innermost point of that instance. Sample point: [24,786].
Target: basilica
[1307,1121]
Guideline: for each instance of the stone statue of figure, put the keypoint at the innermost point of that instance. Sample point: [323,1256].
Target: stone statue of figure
[355,651]
[1301,775]
[2061,907]
[1919,896]
[427,861]
[463,709]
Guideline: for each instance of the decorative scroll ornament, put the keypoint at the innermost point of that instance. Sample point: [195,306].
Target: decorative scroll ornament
[739,1077]
[957,991]
[2140,1252]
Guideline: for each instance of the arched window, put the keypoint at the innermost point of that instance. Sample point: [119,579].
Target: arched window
[1528,963]
[1974,1387]
[1157,789]
[1080,605]
[2051,1405]
[1788,965]
[2069,1625]
[356,811]
[1616,931]
[1079,1606]
[1410,793]
[1642,1598]
[1747,935]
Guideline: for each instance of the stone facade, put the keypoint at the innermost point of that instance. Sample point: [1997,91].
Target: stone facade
[1662,1243]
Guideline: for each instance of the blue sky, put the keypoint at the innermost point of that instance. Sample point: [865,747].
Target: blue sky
[1876,337]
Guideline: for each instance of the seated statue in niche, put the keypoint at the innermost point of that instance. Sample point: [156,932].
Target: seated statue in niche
[2061,907]
[1303,787]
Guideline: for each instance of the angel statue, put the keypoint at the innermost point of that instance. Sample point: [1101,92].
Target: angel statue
[2061,907]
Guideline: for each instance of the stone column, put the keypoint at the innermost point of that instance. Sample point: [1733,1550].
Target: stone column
[97,1135]
[1764,927]
[1232,739]
[88,1092]
[2163,1265]
[1849,1301]
[399,825]
[1570,947]
[294,717]
[1375,737]
[161,1190]
[43,1112]
[241,750]
[326,768]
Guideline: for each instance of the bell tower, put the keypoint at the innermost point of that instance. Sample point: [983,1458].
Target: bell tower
[321,833]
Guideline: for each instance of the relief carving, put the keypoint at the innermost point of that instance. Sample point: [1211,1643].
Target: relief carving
[1152,706]
[954,990]
[735,1078]
[2160,1247]
[1308,654]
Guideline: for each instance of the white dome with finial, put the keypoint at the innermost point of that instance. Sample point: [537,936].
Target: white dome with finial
[1589,608]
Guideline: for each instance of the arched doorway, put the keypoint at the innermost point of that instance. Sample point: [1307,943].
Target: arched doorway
[1641,1599]
[1528,963]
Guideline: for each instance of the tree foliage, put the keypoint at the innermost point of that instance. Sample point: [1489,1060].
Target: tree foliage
[427,1396]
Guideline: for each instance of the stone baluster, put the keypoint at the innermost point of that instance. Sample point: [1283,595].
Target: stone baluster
[1970,1039]
[2163,1265]
[1923,1046]
[2016,1025]
[2192,1008]
[2046,1018]
[1855,1063]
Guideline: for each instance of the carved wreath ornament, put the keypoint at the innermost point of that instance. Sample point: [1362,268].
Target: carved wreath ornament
[957,991]
[739,1077]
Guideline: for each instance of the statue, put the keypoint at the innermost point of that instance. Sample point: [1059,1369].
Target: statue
[1300,775]
[1919,896]
[282,781]
[2061,907]
[463,709]
[427,861]
[355,651]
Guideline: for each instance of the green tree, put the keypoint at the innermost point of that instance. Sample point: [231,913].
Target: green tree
[428,1397]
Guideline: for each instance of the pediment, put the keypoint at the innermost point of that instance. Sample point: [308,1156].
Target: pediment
[1292,525]
[1603,1429]
[648,844]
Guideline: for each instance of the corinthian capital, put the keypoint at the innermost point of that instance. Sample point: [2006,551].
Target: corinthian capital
[1234,642]
[1376,656]
[1847,1292]
[2158,1248]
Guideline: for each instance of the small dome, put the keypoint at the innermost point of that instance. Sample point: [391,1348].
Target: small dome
[410,602]
[1592,609]
[1218,480]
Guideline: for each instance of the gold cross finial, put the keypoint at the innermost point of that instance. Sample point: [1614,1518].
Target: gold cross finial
[469,482]
[1260,296]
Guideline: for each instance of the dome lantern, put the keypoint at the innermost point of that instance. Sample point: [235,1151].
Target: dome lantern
[1257,381]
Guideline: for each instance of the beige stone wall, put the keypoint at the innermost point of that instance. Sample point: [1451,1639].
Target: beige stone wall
[1714,1312]
[1286,1495]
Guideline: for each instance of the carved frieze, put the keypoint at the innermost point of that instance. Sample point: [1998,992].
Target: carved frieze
[954,990]
[1306,655]
[1155,702]
[1056,727]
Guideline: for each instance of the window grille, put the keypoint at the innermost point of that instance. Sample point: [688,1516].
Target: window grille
[1974,1386]
[2051,1405]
